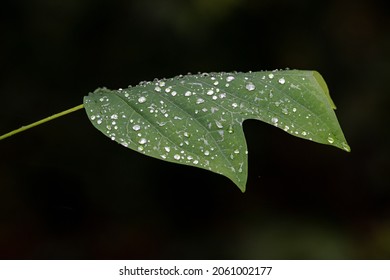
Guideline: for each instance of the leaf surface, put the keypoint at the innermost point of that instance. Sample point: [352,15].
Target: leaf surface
[197,120]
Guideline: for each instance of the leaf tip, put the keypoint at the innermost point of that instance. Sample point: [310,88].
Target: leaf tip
[241,184]
[346,147]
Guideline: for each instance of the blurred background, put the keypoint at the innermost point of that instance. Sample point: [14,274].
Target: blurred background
[68,192]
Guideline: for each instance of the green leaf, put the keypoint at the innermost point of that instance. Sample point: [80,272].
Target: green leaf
[197,119]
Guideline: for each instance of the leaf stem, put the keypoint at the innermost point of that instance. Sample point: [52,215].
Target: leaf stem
[55,116]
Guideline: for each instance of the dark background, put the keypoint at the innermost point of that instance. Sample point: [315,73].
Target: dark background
[67,191]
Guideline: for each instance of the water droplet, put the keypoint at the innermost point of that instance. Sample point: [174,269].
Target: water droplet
[173,93]
[187,93]
[250,86]
[330,140]
[162,83]
[210,92]
[219,125]
[114,117]
[136,127]
[142,99]
[240,169]
[229,78]
[93,117]
[124,144]
[99,121]
[199,101]
[236,151]
[214,109]
[274,120]
[346,147]
[142,141]
[195,162]
[234,105]
[285,111]
[304,133]
[271,76]
[206,153]
[282,81]
[176,156]
[167,149]
[186,134]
